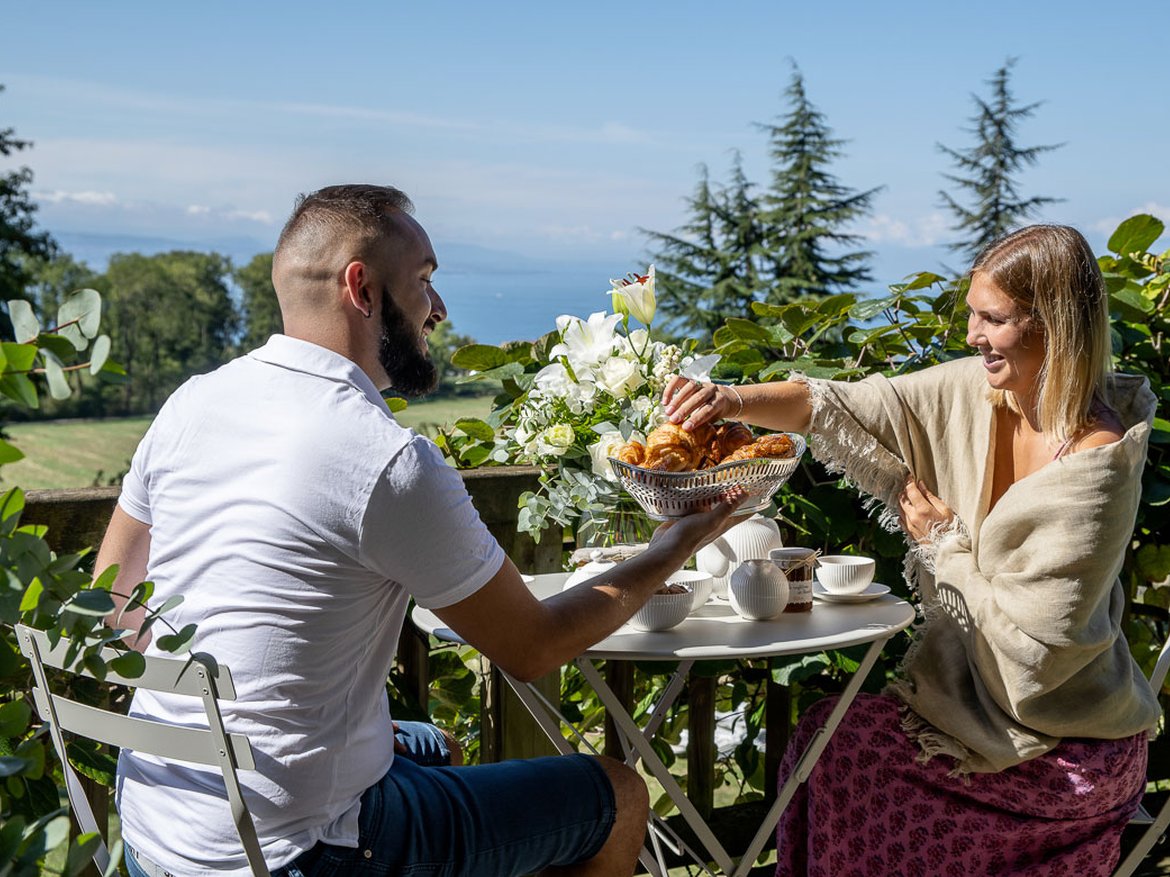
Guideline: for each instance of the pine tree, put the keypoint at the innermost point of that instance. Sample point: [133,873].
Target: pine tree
[710,268]
[807,210]
[987,171]
[18,238]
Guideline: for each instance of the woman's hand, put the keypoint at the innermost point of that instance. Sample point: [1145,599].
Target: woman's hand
[693,403]
[921,512]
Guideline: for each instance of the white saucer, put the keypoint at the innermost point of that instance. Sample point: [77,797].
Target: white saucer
[874,590]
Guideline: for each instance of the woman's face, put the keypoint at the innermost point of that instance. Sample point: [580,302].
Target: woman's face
[1010,342]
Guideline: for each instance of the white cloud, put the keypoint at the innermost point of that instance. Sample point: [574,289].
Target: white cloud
[58,196]
[262,216]
[921,231]
[1108,225]
[197,210]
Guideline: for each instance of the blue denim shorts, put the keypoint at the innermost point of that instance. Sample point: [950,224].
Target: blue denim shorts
[492,820]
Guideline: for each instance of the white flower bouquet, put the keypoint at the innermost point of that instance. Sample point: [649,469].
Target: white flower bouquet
[572,398]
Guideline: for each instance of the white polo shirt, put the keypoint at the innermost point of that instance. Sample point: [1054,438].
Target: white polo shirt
[296,518]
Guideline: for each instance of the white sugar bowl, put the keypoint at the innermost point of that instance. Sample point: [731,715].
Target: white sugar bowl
[698,581]
[758,590]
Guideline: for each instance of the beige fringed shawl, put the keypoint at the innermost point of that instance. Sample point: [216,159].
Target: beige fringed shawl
[1020,644]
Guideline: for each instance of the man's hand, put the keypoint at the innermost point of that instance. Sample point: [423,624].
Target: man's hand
[687,535]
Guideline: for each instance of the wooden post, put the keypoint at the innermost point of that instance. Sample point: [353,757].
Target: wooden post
[619,676]
[777,730]
[701,742]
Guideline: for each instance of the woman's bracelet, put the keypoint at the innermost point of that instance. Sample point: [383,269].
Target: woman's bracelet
[739,399]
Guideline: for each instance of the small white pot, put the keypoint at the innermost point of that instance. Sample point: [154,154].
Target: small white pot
[663,611]
[697,580]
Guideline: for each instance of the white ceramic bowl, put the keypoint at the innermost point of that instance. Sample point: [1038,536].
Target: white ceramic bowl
[663,611]
[844,574]
[758,590]
[699,582]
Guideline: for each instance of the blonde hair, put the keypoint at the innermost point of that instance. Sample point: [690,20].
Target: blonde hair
[1050,272]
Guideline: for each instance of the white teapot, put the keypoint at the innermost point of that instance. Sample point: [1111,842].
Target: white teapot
[751,539]
[592,568]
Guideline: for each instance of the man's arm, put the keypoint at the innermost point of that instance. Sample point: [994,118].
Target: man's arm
[528,637]
[126,543]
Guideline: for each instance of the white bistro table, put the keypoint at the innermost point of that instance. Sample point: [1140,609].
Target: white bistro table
[713,631]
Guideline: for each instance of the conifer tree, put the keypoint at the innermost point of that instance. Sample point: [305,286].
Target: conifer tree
[986,173]
[710,268]
[806,210]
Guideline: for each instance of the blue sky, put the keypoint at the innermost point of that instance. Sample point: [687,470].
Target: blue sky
[556,130]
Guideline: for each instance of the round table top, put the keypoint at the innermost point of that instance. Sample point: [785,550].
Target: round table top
[715,631]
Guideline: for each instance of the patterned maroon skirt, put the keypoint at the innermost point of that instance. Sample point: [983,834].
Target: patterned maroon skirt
[870,808]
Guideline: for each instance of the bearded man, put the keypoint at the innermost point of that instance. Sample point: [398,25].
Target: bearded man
[281,500]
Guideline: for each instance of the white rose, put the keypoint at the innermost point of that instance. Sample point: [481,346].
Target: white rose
[619,377]
[555,440]
[600,451]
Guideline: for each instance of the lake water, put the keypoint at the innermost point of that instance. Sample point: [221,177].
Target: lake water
[497,307]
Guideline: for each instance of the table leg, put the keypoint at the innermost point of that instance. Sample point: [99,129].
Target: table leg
[808,758]
[638,740]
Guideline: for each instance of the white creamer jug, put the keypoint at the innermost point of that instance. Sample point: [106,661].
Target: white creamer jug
[758,590]
[588,571]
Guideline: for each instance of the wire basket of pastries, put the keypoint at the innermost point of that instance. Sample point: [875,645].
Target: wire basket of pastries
[677,472]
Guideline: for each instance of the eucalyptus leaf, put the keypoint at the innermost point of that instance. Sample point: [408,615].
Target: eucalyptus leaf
[99,354]
[91,602]
[177,643]
[83,308]
[14,718]
[20,388]
[55,374]
[25,325]
[131,665]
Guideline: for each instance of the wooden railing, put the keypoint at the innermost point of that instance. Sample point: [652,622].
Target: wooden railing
[77,518]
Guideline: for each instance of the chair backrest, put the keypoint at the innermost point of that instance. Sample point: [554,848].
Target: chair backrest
[1156,826]
[194,676]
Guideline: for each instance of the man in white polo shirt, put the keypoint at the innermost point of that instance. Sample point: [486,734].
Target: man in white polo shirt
[281,500]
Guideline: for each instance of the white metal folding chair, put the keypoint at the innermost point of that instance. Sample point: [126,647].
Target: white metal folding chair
[192,676]
[1157,825]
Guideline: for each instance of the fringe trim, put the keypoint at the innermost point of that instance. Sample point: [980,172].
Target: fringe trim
[837,440]
[930,739]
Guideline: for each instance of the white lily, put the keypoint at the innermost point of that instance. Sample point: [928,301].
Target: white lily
[635,296]
[586,343]
[699,368]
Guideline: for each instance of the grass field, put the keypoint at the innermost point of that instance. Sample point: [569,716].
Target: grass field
[82,453]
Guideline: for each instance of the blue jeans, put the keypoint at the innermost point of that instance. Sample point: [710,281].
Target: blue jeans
[492,820]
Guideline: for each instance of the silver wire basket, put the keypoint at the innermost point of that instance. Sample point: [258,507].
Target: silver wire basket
[668,495]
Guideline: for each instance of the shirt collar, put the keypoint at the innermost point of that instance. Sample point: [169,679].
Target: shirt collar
[304,356]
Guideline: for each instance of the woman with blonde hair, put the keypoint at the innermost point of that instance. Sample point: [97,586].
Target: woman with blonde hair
[1013,739]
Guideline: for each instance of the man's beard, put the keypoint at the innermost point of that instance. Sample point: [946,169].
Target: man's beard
[410,370]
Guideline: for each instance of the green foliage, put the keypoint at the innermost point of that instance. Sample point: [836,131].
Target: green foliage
[985,171]
[260,309]
[52,592]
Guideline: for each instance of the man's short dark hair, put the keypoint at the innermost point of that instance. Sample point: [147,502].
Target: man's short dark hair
[361,210]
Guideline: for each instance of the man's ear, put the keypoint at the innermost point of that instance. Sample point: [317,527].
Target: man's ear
[356,279]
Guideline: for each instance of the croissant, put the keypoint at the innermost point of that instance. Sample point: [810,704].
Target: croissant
[632,452]
[671,448]
[726,439]
[776,445]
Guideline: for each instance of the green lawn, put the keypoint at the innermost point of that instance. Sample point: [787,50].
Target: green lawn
[82,453]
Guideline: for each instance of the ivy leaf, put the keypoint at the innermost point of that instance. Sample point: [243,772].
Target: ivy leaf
[9,453]
[25,325]
[475,456]
[476,428]
[1153,562]
[1136,234]
[14,718]
[479,357]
